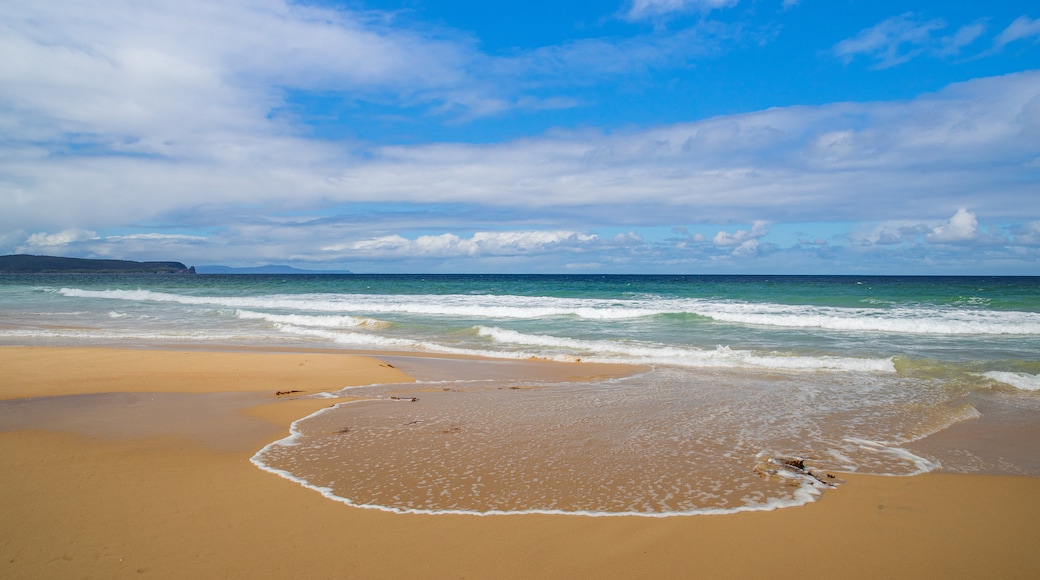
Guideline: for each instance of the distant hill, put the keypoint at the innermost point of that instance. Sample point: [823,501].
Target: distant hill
[26,264]
[264,270]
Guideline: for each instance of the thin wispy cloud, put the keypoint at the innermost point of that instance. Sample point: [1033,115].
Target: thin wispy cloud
[902,38]
[1023,28]
[643,9]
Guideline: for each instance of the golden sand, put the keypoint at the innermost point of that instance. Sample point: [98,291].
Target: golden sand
[167,505]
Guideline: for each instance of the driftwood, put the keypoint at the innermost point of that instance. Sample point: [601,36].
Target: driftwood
[280,393]
[796,466]
[412,399]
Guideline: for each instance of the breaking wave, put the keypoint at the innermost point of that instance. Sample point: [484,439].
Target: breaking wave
[918,320]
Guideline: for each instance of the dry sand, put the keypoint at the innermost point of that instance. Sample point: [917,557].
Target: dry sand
[159,501]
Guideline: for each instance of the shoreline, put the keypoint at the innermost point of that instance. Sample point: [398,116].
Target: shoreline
[159,501]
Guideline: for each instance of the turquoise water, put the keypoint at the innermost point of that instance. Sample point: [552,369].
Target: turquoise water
[840,372]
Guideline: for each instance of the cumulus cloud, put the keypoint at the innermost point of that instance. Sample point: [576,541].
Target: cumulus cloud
[963,226]
[42,241]
[745,243]
[741,237]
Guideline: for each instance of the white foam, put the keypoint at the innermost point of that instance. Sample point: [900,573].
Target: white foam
[1023,381]
[455,305]
[922,319]
[123,335]
[352,338]
[611,352]
[919,464]
[631,352]
[919,320]
[313,321]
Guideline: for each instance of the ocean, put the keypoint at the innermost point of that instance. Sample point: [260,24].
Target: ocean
[747,392]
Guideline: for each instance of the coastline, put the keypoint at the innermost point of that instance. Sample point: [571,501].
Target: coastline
[160,501]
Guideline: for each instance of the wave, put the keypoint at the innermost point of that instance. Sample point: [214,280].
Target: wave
[721,356]
[609,352]
[1022,381]
[313,321]
[455,305]
[916,320]
[920,320]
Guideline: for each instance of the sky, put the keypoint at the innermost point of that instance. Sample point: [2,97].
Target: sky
[618,136]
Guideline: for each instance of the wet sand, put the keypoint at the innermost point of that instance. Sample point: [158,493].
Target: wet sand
[159,499]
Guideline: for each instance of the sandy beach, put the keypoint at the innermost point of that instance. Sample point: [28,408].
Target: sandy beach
[87,492]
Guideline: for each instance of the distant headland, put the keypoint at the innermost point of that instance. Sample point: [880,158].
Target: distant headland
[26,264]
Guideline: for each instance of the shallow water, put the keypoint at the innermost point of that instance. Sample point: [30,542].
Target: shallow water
[668,441]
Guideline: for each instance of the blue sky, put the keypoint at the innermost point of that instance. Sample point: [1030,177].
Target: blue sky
[656,136]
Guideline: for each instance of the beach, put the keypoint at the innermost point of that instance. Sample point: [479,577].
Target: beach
[105,497]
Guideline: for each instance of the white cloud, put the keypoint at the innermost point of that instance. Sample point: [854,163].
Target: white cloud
[892,41]
[848,161]
[962,227]
[182,78]
[131,246]
[117,113]
[451,245]
[902,38]
[642,9]
[157,238]
[589,60]
[1023,27]
[875,158]
[1028,234]
[741,237]
[965,36]
[747,248]
[42,241]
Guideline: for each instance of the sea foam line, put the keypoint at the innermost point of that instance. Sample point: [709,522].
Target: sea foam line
[921,464]
[804,494]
